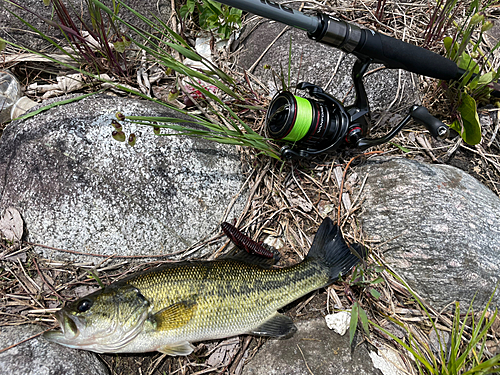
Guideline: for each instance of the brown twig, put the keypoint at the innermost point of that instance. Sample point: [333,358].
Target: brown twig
[45,281]
[305,360]
[104,255]
[23,341]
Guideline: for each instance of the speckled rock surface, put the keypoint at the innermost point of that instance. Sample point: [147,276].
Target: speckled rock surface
[438,226]
[79,189]
[40,357]
[324,351]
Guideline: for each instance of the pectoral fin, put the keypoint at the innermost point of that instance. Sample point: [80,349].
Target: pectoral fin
[180,348]
[277,326]
[175,316]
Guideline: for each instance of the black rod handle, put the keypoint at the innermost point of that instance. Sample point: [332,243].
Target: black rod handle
[396,54]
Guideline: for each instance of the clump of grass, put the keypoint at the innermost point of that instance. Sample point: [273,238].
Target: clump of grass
[107,52]
[466,352]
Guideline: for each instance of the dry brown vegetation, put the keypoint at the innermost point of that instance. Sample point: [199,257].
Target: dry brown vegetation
[287,202]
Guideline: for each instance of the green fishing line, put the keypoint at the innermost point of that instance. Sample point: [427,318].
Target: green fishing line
[302,122]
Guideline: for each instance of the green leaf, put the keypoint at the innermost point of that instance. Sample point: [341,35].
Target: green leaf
[354,322]
[470,128]
[486,78]
[184,11]
[190,54]
[467,63]
[2,44]
[451,47]
[122,45]
[378,280]
[379,269]
[213,6]
[190,4]
[473,84]
[375,293]
[448,42]
[92,274]
[364,321]
[404,149]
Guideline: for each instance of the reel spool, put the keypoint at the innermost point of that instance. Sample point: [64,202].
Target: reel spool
[311,126]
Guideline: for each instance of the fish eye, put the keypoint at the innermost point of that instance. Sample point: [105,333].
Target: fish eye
[84,305]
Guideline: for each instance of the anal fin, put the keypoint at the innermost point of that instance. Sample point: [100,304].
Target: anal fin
[278,325]
[179,348]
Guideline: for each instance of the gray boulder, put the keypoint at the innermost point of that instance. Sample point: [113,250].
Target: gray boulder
[79,189]
[438,227]
[40,357]
[312,349]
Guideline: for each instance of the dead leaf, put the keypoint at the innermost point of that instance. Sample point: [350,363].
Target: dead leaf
[11,224]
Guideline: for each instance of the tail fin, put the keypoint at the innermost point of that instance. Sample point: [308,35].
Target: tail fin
[329,248]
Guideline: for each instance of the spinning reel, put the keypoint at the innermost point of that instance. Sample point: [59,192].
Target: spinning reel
[323,124]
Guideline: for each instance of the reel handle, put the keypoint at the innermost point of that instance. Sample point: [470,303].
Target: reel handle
[437,129]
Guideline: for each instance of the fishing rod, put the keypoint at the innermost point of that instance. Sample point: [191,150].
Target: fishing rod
[323,124]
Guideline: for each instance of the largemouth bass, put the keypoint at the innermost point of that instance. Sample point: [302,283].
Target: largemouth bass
[166,309]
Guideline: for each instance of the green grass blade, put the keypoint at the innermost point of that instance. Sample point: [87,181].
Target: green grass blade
[353,324]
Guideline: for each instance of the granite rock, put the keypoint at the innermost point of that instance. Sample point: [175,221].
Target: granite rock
[312,349]
[40,357]
[438,227]
[79,189]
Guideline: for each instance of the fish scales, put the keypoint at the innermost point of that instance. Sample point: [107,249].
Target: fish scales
[231,297]
[166,309]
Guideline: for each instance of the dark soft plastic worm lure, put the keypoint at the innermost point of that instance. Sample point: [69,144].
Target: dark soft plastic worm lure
[245,242]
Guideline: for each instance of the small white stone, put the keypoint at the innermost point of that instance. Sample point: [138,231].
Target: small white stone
[339,322]
[275,242]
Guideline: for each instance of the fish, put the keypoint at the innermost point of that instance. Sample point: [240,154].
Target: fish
[168,308]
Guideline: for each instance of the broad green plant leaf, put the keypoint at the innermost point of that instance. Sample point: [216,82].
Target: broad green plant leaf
[467,63]
[375,293]
[486,78]
[121,46]
[469,127]
[451,47]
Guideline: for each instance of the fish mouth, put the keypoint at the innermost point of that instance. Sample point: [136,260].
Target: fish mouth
[69,328]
